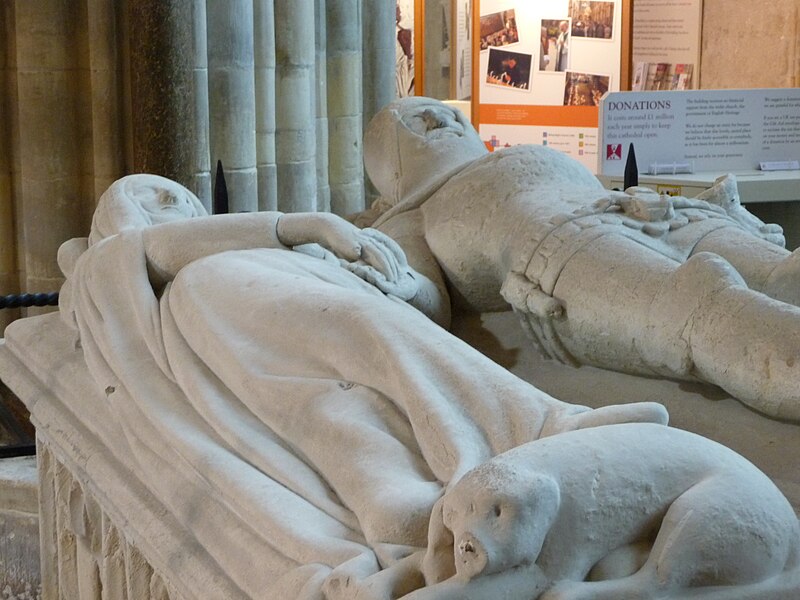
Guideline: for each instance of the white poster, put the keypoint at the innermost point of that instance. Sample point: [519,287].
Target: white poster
[543,68]
[463,49]
[705,130]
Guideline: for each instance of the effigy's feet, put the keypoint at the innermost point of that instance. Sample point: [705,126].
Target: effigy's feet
[784,282]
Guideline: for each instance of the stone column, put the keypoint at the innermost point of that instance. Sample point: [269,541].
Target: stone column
[294,114]
[9,276]
[344,106]
[105,98]
[264,65]
[50,149]
[378,56]
[168,91]
[232,99]
[321,107]
[377,63]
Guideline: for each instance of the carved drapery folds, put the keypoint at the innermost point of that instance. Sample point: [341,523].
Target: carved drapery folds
[91,90]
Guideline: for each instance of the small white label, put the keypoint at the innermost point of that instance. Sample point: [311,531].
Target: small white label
[779,165]
[673,168]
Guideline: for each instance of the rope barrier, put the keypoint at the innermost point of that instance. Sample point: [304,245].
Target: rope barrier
[25,300]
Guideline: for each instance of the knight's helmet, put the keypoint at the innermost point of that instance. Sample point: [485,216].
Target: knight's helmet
[414,145]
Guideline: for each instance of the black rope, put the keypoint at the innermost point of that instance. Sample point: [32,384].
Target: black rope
[25,300]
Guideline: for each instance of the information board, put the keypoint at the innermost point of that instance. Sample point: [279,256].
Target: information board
[462,49]
[707,130]
[542,69]
[666,44]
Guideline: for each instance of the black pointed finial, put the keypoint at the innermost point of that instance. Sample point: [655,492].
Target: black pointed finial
[220,192]
[631,178]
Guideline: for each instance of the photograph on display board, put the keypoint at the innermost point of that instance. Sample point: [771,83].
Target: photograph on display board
[404,48]
[563,42]
[662,76]
[593,19]
[585,89]
[682,77]
[639,77]
[509,69]
[548,45]
[499,29]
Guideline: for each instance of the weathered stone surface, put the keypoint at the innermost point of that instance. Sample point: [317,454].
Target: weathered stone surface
[264,72]
[295,104]
[410,410]
[690,289]
[19,529]
[168,102]
[321,105]
[232,98]
[344,72]
[747,48]
[378,23]
[46,34]
[9,275]
[297,186]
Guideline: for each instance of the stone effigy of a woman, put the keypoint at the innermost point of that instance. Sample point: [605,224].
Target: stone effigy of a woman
[322,438]
[694,289]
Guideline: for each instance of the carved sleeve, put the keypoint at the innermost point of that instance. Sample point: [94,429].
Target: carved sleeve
[171,246]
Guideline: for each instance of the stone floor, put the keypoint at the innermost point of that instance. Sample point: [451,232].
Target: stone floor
[19,510]
[19,530]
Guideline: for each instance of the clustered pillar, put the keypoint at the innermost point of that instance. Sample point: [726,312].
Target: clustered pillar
[377,65]
[346,169]
[9,279]
[232,98]
[169,91]
[321,101]
[91,90]
[264,73]
[51,132]
[105,117]
[295,105]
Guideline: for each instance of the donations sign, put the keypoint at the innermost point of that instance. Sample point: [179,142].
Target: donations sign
[699,130]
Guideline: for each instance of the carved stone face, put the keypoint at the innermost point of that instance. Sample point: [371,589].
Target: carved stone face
[415,144]
[499,518]
[433,120]
[163,199]
[141,200]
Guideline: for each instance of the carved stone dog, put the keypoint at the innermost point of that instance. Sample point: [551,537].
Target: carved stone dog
[652,511]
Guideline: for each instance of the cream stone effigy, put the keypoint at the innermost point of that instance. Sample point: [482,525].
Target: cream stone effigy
[225,411]
[694,289]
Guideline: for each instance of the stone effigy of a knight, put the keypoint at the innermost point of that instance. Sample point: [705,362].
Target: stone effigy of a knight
[693,289]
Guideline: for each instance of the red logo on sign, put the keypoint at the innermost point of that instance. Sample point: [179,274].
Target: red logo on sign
[614,152]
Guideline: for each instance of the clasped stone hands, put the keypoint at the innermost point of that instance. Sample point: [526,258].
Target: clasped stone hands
[371,255]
